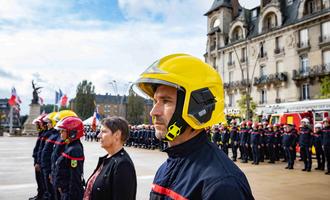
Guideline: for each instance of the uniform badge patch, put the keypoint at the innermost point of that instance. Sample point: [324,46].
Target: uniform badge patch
[74,163]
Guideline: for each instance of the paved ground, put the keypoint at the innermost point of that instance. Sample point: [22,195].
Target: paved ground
[267,181]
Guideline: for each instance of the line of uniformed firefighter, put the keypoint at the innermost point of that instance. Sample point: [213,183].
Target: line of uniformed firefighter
[259,141]
[143,136]
[59,156]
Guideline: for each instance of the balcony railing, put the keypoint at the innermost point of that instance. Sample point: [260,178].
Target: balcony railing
[212,47]
[266,28]
[278,51]
[311,72]
[236,39]
[262,56]
[230,63]
[303,45]
[278,100]
[324,40]
[243,60]
[241,85]
[271,79]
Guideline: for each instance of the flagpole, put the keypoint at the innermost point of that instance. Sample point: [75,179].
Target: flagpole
[11,120]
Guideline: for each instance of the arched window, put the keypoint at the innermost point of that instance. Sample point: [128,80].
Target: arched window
[269,22]
[237,34]
[312,6]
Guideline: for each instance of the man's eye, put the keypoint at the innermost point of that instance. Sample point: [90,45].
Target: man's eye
[165,101]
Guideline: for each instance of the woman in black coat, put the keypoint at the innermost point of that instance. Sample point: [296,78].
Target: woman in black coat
[114,177]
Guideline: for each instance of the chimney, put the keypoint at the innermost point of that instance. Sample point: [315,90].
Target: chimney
[235,5]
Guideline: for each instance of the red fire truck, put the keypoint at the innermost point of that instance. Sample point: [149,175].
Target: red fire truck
[294,112]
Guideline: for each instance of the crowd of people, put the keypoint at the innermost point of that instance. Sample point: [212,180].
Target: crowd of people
[260,141]
[140,136]
[250,141]
[59,160]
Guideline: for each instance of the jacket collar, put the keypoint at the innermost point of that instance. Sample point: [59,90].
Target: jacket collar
[104,159]
[187,147]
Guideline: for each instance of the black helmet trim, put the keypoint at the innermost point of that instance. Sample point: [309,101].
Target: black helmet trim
[177,124]
[201,105]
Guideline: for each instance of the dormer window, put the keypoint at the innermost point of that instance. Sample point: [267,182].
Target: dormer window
[237,34]
[269,22]
[312,6]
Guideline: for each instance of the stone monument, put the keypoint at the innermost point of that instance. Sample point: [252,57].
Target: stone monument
[29,128]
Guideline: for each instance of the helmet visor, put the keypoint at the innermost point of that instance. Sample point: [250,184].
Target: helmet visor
[148,86]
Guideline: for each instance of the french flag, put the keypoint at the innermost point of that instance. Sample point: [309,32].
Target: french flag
[14,99]
[96,119]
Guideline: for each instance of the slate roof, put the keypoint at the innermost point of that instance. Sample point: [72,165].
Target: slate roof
[289,15]
[217,4]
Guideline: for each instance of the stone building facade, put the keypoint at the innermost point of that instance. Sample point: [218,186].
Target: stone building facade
[281,49]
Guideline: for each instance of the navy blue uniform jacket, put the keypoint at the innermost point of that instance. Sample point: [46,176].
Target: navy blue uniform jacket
[305,138]
[48,150]
[326,136]
[225,135]
[198,169]
[36,148]
[255,137]
[234,137]
[69,169]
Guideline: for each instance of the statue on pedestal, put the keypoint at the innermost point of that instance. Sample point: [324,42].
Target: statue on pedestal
[35,93]
[29,127]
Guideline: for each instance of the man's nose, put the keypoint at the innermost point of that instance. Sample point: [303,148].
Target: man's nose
[156,110]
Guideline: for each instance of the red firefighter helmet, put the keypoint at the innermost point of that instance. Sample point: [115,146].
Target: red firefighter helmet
[277,125]
[249,123]
[243,123]
[255,125]
[270,126]
[73,125]
[39,119]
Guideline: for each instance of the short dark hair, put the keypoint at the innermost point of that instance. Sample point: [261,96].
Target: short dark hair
[117,123]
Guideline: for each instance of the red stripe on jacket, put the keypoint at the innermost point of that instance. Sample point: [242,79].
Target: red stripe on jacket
[72,158]
[167,192]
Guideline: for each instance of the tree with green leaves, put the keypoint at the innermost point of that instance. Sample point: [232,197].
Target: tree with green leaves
[135,108]
[48,108]
[242,106]
[84,102]
[325,87]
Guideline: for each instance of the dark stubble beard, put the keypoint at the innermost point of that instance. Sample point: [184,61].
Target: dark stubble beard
[160,134]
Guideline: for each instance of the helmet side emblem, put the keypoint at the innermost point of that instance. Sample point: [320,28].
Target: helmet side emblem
[173,132]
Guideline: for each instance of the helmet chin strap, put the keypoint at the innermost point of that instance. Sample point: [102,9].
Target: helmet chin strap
[177,124]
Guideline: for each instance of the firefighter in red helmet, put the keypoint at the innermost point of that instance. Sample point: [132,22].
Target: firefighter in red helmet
[69,166]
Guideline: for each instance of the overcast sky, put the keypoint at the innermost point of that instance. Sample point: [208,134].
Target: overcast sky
[59,43]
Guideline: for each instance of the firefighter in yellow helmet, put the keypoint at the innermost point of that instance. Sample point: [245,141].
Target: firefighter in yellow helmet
[188,97]
[59,147]
[47,150]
